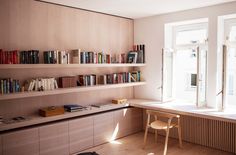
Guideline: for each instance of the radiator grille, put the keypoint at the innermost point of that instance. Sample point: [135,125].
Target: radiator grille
[211,133]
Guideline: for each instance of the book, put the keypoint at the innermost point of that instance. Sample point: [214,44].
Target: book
[132,57]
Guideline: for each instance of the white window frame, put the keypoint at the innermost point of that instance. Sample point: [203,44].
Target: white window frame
[197,46]
[228,23]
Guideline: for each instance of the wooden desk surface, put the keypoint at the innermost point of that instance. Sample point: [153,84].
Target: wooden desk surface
[186,109]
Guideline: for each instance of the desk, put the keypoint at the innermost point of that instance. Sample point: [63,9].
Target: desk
[185,109]
[205,126]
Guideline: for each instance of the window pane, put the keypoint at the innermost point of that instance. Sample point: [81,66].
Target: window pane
[168,74]
[185,75]
[232,35]
[191,36]
[231,89]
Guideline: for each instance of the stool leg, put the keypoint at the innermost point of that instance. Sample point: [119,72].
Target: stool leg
[179,133]
[180,137]
[166,141]
[155,135]
[146,131]
[155,130]
[145,137]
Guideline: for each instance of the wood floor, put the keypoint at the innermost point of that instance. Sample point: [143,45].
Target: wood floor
[132,145]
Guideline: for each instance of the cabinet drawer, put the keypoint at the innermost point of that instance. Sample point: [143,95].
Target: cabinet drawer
[54,139]
[21,142]
[103,128]
[81,134]
[122,122]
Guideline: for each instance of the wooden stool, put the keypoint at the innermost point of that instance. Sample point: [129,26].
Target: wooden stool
[161,125]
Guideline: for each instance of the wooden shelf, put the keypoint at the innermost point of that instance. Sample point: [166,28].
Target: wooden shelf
[67,90]
[45,66]
[36,120]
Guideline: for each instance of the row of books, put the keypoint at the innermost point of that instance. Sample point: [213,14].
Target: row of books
[41,84]
[19,57]
[87,80]
[101,58]
[137,55]
[9,85]
[124,77]
[56,57]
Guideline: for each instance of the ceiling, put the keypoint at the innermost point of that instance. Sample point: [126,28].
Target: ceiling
[137,8]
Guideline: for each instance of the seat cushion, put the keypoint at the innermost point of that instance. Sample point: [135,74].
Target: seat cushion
[160,125]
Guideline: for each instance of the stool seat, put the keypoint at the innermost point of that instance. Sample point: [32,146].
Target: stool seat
[160,125]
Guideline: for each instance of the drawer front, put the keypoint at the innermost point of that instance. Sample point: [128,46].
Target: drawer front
[81,134]
[54,139]
[103,128]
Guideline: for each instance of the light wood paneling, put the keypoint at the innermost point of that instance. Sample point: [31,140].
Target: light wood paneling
[136,120]
[30,24]
[81,134]
[21,142]
[0,144]
[104,129]
[54,139]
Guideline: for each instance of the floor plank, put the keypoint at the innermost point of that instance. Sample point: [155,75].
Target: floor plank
[132,145]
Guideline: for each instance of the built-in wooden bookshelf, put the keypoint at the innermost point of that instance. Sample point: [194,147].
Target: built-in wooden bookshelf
[27,94]
[35,66]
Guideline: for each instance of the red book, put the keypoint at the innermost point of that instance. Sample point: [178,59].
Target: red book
[14,59]
[1,56]
[5,57]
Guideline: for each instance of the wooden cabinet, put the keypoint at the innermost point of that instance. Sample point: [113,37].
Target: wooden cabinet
[80,134]
[128,121]
[136,115]
[24,142]
[54,139]
[103,128]
[72,136]
[122,122]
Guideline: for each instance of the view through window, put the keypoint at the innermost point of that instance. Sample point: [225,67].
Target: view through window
[185,67]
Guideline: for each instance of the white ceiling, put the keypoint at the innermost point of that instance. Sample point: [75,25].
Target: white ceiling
[137,8]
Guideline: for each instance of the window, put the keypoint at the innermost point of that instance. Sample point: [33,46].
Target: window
[184,63]
[229,63]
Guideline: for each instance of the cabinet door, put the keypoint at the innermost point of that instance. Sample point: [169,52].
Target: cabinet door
[81,134]
[103,128]
[122,119]
[54,139]
[21,142]
[136,119]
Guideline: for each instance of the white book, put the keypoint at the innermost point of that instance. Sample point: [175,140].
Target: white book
[55,84]
[36,84]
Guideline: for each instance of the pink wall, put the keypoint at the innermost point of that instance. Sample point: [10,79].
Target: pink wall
[150,31]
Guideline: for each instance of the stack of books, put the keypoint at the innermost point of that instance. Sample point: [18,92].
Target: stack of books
[124,77]
[56,57]
[16,57]
[87,80]
[41,84]
[9,85]
[74,107]
[137,55]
